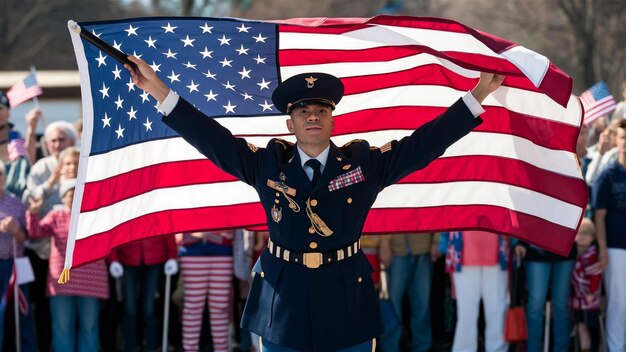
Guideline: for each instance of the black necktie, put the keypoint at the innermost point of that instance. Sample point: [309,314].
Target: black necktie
[316,166]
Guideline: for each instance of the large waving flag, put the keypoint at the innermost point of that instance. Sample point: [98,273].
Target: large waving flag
[516,174]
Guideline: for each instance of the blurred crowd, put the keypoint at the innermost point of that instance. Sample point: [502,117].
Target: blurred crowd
[447,291]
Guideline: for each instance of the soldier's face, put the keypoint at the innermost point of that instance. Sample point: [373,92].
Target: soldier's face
[312,124]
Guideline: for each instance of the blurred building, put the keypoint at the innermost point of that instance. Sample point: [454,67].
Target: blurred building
[60,99]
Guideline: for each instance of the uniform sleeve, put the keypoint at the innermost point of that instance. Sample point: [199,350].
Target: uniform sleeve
[230,154]
[398,159]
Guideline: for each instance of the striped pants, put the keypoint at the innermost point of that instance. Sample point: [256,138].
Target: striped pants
[206,279]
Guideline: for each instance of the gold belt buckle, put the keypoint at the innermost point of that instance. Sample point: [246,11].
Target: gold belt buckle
[313,260]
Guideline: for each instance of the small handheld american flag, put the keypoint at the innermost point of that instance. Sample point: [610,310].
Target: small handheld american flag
[597,101]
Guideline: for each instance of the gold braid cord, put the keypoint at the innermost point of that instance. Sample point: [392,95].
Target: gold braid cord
[318,224]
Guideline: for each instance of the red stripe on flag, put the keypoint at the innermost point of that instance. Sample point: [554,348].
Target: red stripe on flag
[542,132]
[102,193]
[166,222]
[501,170]
[437,219]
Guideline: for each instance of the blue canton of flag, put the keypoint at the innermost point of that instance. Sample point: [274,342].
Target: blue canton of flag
[224,67]
[599,90]
[30,81]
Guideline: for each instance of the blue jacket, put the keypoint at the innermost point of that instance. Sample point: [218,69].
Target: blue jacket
[334,306]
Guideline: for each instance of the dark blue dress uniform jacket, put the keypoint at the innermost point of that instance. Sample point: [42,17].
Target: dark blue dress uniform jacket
[334,306]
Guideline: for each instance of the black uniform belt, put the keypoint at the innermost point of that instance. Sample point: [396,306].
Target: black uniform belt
[313,260]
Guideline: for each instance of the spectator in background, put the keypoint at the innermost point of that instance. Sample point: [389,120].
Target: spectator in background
[140,264]
[582,153]
[620,109]
[409,260]
[78,125]
[206,264]
[42,180]
[547,270]
[603,153]
[586,282]
[478,262]
[609,205]
[16,153]
[12,227]
[75,305]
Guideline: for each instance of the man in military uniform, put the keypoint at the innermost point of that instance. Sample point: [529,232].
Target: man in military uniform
[313,290]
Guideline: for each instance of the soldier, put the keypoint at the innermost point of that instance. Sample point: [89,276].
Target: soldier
[312,290]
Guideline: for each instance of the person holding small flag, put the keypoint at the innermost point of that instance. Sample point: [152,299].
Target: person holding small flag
[16,152]
[13,229]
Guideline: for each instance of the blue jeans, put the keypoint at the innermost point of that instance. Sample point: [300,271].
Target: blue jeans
[411,275]
[64,310]
[139,284]
[540,276]
[27,328]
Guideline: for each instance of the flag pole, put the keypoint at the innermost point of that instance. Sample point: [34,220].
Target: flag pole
[36,100]
[16,307]
[166,311]
[101,44]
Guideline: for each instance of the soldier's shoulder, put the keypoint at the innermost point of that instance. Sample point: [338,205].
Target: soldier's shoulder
[280,143]
[355,144]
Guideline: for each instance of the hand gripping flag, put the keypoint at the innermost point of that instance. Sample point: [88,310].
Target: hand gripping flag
[516,174]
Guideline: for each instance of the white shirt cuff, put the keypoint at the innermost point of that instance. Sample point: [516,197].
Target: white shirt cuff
[472,104]
[169,103]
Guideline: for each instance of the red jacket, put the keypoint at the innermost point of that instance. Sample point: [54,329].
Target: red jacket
[150,251]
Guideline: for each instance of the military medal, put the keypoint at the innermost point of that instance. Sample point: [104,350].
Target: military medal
[286,191]
[277,214]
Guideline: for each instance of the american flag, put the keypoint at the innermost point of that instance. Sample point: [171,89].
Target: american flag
[27,88]
[597,101]
[516,174]
[10,292]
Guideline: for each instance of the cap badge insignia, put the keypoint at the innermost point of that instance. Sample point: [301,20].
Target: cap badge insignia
[310,81]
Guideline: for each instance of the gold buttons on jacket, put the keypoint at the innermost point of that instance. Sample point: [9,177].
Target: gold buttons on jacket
[360,279]
[313,202]
[277,194]
[349,200]
[313,245]
[276,201]
[262,273]
[311,230]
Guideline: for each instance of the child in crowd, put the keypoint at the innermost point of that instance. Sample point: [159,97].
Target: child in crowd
[586,283]
[80,297]
[206,263]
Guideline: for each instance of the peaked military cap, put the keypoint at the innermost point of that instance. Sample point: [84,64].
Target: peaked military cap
[307,88]
[4,100]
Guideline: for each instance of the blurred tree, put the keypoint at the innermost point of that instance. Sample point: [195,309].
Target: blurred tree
[583,37]
[34,32]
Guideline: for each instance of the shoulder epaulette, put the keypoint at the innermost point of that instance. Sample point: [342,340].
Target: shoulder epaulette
[386,147]
[284,143]
[351,142]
